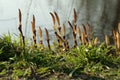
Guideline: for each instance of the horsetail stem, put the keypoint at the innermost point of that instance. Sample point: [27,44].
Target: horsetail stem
[107,42]
[85,37]
[119,27]
[40,34]
[20,28]
[59,29]
[54,22]
[74,34]
[55,29]
[85,34]
[47,38]
[79,35]
[34,30]
[64,30]
[75,20]
[90,31]
[75,17]
[118,40]
[115,38]
[66,44]
[58,21]
[20,16]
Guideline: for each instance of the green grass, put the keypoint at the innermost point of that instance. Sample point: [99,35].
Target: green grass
[83,62]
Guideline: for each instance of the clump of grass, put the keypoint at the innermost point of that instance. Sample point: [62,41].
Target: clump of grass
[89,60]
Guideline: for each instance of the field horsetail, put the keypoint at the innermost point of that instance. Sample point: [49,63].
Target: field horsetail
[85,35]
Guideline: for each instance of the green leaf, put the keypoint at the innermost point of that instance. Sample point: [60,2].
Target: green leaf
[18,72]
[1,50]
